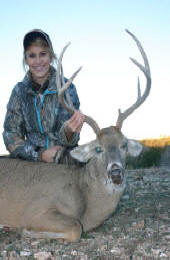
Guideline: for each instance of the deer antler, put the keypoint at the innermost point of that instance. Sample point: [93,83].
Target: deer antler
[146,70]
[61,90]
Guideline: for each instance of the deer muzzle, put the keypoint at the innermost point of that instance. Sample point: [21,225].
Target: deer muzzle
[116,173]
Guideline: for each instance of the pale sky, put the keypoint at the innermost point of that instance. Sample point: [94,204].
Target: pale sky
[99,43]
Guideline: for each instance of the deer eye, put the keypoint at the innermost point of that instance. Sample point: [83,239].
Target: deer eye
[98,149]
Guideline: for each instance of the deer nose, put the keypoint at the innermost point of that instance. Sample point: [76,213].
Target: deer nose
[116,173]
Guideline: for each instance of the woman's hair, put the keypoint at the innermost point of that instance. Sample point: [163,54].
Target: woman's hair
[41,39]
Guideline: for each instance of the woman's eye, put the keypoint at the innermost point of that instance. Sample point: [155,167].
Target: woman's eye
[98,149]
[32,55]
[43,54]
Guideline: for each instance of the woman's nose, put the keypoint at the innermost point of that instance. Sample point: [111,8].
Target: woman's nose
[37,59]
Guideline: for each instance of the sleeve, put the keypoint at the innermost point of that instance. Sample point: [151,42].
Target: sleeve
[14,131]
[64,115]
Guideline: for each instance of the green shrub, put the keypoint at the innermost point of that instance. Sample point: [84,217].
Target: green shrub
[148,158]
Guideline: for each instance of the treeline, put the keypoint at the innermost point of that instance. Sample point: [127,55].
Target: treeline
[153,150]
[156,142]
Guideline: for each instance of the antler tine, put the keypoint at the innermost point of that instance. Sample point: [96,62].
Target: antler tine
[59,66]
[61,90]
[146,70]
[67,94]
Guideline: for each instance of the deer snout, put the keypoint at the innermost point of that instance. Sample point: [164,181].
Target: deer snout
[116,173]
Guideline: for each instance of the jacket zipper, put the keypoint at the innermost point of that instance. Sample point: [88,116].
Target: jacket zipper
[39,116]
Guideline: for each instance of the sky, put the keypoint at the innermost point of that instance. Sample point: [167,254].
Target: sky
[99,43]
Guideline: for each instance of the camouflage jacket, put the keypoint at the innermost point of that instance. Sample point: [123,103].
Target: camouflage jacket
[33,124]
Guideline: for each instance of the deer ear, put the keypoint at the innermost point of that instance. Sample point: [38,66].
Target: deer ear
[134,147]
[84,153]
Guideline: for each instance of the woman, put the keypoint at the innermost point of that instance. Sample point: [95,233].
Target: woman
[36,126]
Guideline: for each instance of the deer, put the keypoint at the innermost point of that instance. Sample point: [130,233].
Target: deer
[59,201]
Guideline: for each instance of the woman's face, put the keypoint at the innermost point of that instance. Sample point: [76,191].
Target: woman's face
[38,59]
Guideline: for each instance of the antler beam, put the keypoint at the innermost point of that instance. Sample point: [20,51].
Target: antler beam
[146,70]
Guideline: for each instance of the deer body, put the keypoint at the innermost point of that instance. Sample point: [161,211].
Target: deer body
[33,189]
[25,194]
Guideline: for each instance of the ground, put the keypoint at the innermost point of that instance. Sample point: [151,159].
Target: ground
[137,230]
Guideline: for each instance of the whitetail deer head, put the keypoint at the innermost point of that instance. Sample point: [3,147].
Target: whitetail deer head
[111,145]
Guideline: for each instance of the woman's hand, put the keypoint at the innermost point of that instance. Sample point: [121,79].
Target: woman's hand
[74,124]
[49,154]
